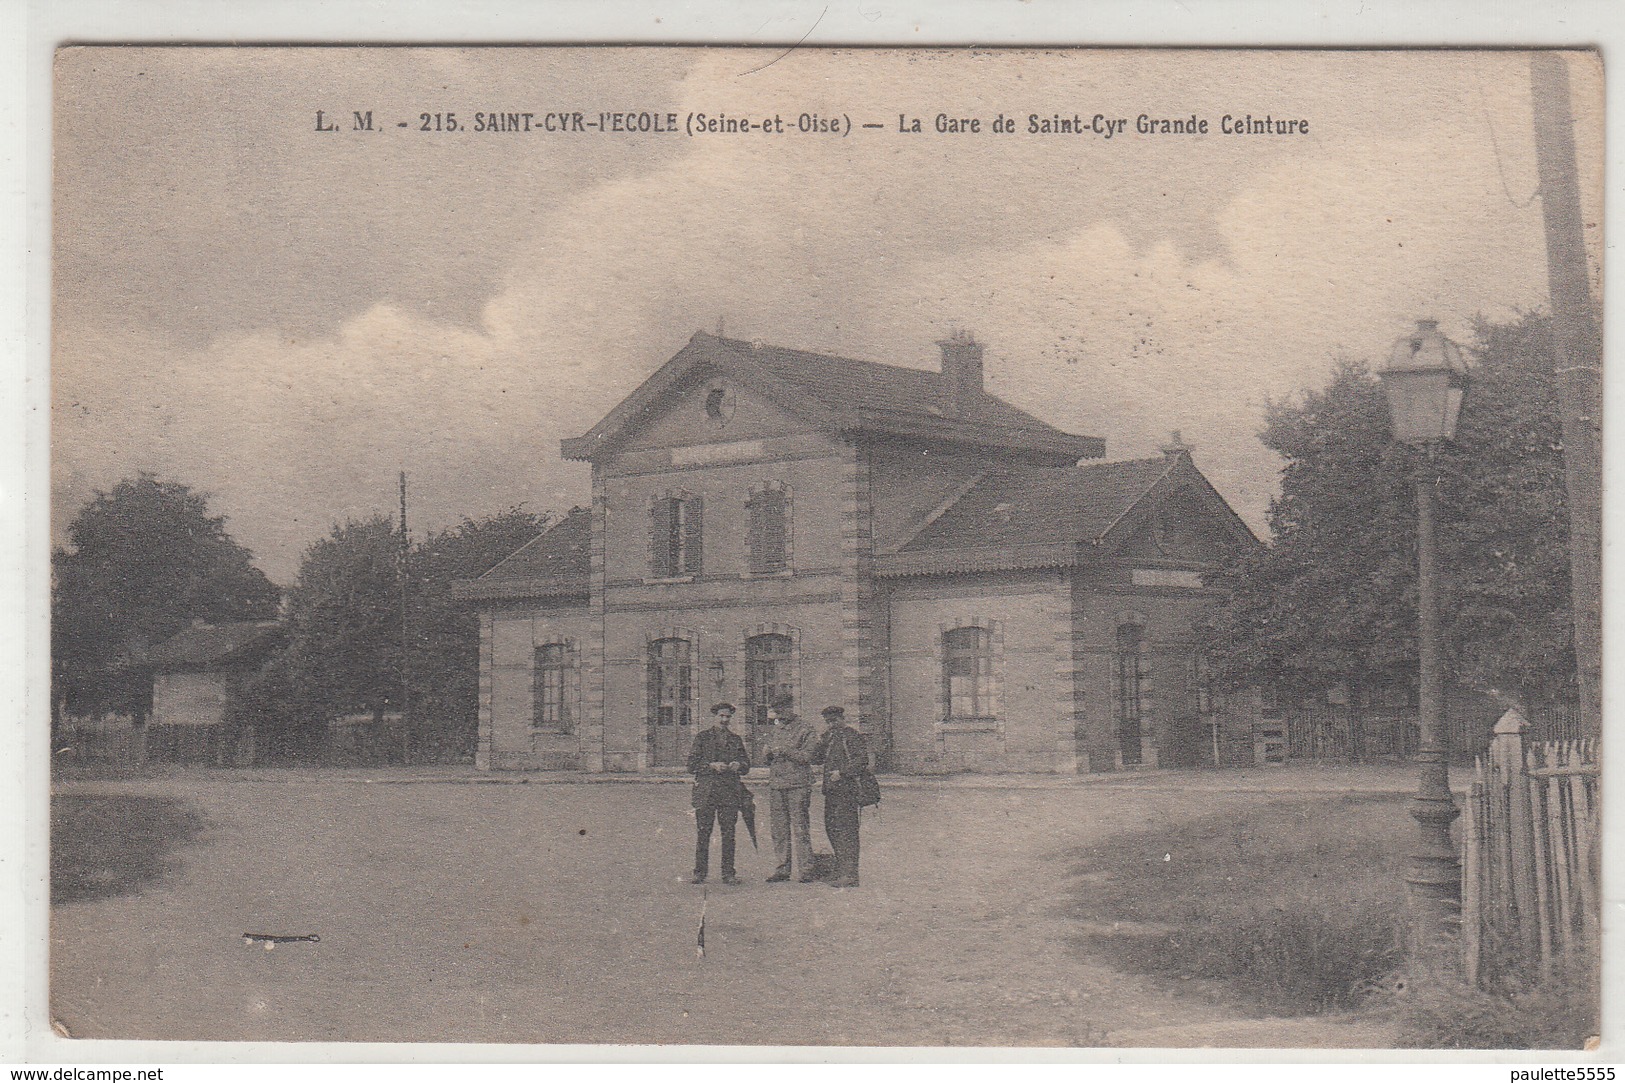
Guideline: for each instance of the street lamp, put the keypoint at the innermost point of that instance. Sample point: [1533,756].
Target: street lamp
[1424,380]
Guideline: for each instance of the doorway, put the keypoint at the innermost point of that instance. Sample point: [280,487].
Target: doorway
[671,700]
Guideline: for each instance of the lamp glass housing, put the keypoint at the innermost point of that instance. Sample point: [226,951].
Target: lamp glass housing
[1422,406]
[1424,381]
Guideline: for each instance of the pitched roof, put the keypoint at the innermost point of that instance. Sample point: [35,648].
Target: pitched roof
[846,395]
[1023,504]
[1037,516]
[841,383]
[204,646]
[557,562]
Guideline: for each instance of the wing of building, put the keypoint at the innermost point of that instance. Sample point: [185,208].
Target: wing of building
[971,583]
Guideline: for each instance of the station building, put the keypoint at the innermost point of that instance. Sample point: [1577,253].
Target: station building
[979,590]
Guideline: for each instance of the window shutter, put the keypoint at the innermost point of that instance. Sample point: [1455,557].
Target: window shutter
[662,548]
[773,531]
[567,689]
[653,683]
[693,533]
[757,539]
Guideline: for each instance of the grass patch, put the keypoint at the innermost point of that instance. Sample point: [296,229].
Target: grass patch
[108,845]
[1295,905]
[1443,1012]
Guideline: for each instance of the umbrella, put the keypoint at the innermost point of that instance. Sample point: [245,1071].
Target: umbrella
[747,809]
[699,945]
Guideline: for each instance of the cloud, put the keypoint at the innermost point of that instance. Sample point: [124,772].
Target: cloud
[1123,290]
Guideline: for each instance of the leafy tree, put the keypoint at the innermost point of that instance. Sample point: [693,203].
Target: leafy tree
[142,561]
[344,625]
[344,649]
[1507,520]
[445,633]
[1334,597]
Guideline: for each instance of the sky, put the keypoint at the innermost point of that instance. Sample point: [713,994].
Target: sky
[286,318]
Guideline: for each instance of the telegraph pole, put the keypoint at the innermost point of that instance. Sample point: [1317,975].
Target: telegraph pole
[1577,339]
[406,665]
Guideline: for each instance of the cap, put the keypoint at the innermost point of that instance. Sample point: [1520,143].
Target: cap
[834,712]
[730,708]
[784,705]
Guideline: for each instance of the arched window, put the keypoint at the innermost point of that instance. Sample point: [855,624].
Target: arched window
[767,678]
[671,699]
[1131,669]
[967,673]
[767,673]
[552,708]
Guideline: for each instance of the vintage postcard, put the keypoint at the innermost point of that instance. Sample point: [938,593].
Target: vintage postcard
[867,547]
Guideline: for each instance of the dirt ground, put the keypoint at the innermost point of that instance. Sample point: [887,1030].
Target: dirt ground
[559,912]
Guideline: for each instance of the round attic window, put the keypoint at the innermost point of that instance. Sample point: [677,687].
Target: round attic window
[719,405]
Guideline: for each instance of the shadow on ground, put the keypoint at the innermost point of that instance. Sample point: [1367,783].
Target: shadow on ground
[106,845]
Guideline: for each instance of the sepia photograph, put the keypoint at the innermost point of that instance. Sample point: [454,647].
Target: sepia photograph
[1042,548]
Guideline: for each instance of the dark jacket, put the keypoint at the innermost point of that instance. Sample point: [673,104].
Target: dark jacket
[717,788]
[843,749]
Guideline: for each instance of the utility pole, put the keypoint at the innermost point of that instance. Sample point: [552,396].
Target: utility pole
[406,665]
[1577,338]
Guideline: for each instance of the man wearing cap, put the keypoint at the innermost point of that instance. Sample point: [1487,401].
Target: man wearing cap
[845,756]
[717,759]
[788,757]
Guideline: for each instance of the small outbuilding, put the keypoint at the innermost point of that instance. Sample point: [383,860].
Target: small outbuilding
[192,676]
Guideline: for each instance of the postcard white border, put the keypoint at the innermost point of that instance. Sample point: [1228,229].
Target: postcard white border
[31,29]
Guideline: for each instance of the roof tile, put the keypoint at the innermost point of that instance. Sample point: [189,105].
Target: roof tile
[1041,504]
[203,645]
[557,562]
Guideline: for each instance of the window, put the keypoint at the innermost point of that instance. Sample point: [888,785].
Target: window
[967,673]
[1131,669]
[676,538]
[769,539]
[552,707]
[671,683]
[767,673]
[767,678]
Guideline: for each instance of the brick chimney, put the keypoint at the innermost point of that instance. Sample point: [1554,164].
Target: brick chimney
[961,373]
[1176,446]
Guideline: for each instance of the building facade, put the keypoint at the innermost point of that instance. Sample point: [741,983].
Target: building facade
[193,674]
[966,580]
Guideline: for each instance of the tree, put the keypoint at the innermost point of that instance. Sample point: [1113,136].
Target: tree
[142,561]
[1506,514]
[1333,598]
[344,649]
[445,633]
[344,628]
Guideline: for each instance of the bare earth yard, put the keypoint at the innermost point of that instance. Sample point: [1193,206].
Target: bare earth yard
[558,912]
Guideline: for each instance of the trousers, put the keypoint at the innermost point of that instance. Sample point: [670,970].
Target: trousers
[725,816]
[841,825]
[787,810]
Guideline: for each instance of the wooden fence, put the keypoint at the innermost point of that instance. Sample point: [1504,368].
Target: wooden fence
[1363,734]
[1530,854]
[118,744]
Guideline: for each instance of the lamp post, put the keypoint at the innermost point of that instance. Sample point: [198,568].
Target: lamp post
[1423,381]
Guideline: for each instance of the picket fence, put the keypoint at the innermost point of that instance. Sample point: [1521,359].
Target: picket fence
[1530,854]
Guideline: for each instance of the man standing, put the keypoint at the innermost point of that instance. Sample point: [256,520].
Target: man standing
[717,759]
[845,756]
[789,754]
